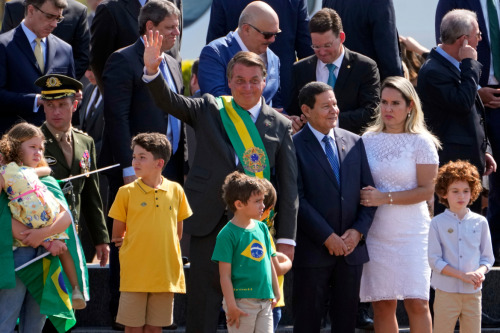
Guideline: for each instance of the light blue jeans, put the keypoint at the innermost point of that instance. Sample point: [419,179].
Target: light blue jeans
[18,303]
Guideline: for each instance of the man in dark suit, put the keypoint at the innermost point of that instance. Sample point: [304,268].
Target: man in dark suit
[488,49]
[26,53]
[447,86]
[332,168]
[215,158]
[292,42]
[90,112]
[115,26]
[257,29]
[371,27]
[129,108]
[355,77]
[73,29]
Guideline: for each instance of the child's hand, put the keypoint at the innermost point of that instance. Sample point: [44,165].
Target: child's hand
[118,241]
[233,316]
[55,247]
[33,237]
[43,171]
[474,278]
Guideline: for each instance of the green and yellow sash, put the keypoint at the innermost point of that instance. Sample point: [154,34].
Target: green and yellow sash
[245,138]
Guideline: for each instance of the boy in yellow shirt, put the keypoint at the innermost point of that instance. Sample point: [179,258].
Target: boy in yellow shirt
[148,215]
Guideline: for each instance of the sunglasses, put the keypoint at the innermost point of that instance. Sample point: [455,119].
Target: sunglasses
[50,17]
[267,35]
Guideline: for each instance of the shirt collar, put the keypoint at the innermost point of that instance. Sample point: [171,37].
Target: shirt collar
[163,186]
[320,135]
[255,110]
[58,134]
[455,216]
[30,34]
[236,36]
[337,62]
[448,57]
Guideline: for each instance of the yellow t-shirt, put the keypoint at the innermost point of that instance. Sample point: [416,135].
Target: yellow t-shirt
[150,256]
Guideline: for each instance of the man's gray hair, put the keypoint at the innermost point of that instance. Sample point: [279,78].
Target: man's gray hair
[156,11]
[455,24]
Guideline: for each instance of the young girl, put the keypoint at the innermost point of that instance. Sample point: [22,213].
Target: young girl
[31,203]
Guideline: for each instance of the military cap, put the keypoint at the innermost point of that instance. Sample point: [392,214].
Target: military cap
[56,86]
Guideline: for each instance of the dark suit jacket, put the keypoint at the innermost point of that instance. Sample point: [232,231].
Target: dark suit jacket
[87,199]
[294,41]
[73,29]
[323,207]
[483,48]
[94,126]
[19,71]
[215,159]
[452,108]
[370,27]
[212,76]
[357,88]
[115,26]
[129,108]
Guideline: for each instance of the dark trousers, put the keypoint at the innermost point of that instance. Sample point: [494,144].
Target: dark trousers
[204,290]
[313,286]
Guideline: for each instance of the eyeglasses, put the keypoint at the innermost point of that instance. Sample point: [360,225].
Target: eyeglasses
[326,46]
[267,35]
[478,35]
[50,17]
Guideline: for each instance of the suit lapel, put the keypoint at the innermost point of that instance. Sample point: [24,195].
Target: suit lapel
[341,149]
[51,52]
[344,70]
[78,149]
[319,154]
[24,45]
[173,67]
[265,120]
[310,74]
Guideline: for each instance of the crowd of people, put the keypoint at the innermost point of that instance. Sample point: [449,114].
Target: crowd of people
[325,145]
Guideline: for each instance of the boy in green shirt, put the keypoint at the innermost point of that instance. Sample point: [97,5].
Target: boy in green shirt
[243,250]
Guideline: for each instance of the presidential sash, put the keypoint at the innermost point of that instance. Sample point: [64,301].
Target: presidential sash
[245,138]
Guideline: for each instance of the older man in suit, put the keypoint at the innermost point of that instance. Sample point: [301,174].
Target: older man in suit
[73,29]
[257,28]
[292,43]
[353,76]
[115,26]
[26,53]
[218,154]
[447,86]
[331,222]
[371,27]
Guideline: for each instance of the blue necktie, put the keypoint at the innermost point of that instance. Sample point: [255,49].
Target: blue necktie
[331,75]
[332,157]
[173,122]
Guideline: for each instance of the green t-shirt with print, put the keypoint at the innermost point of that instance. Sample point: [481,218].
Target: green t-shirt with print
[249,252]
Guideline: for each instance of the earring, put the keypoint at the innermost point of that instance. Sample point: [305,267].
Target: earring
[409,113]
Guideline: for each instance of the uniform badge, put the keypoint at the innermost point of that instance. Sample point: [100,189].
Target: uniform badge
[254,159]
[450,230]
[50,160]
[85,162]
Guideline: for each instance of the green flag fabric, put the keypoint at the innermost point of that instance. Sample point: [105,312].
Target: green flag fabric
[8,277]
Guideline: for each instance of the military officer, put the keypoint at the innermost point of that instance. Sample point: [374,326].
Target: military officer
[70,152]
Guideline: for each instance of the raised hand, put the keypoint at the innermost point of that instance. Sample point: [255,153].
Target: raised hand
[152,51]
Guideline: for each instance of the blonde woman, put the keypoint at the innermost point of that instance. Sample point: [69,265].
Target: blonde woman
[403,159]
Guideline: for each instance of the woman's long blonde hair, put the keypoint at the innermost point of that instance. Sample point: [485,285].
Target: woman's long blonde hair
[415,123]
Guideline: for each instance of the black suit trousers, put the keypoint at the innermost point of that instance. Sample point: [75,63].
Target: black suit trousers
[335,286]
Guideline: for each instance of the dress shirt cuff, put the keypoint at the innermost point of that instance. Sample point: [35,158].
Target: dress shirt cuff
[35,106]
[148,78]
[286,241]
[440,265]
[127,172]
[485,264]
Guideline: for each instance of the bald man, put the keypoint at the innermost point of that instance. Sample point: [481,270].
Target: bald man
[257,29]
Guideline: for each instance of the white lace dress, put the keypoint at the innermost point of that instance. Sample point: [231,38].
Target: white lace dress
[397,240]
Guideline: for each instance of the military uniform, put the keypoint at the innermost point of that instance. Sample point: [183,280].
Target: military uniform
[85,196]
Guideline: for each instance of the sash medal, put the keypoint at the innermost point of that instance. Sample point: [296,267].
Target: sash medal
[245,138]
[85,163]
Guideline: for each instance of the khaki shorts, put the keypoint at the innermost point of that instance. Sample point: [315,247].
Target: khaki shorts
[137,309]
